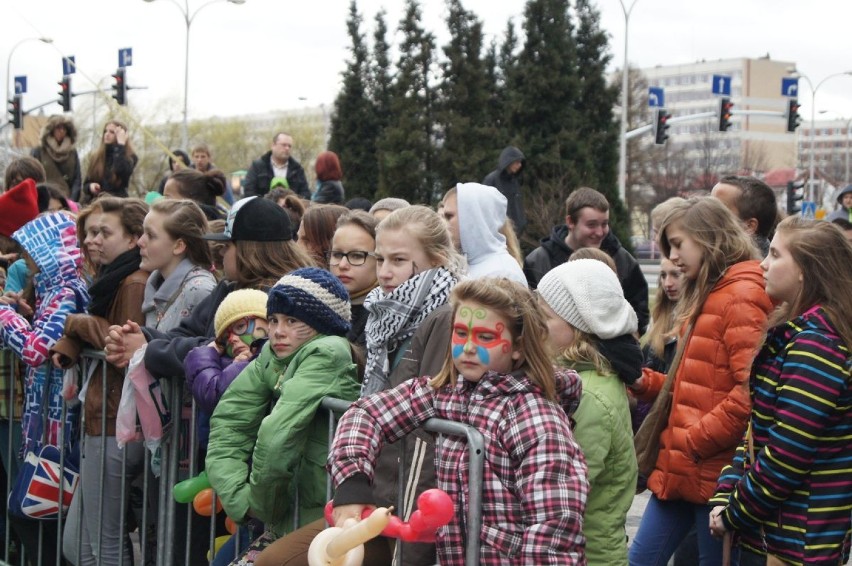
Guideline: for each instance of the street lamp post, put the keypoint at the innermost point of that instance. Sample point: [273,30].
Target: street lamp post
[622,161]
[189,17]
[811,166]
[47,40]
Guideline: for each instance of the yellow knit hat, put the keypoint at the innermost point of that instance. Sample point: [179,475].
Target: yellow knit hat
[239,304]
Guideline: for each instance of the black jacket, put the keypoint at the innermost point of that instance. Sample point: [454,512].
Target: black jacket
[166,350]
[117,171]
[260,175]
[510,185]
[329,192]
[553,251]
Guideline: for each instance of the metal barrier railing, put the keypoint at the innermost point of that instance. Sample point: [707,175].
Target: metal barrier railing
[156,493]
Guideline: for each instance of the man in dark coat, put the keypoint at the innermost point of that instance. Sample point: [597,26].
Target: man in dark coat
[507,179]
[276,163]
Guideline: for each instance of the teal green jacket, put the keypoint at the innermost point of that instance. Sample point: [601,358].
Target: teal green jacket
[604,433]
[269,438]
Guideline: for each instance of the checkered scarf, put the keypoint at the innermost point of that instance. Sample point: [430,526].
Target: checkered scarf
[394,317]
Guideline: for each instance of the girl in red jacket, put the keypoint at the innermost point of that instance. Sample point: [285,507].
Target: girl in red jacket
[721,313]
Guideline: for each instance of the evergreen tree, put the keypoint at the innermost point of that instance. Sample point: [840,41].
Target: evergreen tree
[561,110]
[407,156]
[379,90]
[466,126]
[599,127]
[354,124]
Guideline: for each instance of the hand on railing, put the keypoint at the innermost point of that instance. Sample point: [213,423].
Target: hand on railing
[122,342]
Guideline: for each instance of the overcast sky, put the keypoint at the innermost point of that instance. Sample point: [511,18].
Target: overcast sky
[282,54]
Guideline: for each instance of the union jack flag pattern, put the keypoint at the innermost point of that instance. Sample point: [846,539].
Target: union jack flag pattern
[40,500]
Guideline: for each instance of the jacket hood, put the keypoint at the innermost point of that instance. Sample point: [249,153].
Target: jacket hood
[569,386]
[814,319]
[744,271]
[509,156]
[556,241]
[846,190]
[59,120]
[482,212]
[51,240]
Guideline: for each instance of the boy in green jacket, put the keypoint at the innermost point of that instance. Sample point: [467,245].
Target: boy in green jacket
[268,439]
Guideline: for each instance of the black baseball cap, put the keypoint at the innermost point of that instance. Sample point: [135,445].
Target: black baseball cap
[255,219]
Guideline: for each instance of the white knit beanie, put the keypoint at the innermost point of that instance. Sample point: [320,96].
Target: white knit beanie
[586,293]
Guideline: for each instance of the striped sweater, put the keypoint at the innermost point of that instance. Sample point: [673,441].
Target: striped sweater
[798,491]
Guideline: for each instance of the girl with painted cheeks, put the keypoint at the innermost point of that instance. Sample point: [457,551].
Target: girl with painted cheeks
[498,378]
[268,438]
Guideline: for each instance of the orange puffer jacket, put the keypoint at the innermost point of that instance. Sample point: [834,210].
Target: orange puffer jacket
[710,403]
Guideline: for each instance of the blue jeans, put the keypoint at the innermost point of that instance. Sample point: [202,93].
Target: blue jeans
[664,525]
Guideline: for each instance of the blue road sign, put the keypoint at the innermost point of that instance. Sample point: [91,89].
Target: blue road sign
[125,57]
[790,87]
[21,84]
[808,209]
[656,96]
[722,85]
[69,65]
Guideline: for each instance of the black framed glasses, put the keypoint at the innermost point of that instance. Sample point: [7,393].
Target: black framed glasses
[355,257]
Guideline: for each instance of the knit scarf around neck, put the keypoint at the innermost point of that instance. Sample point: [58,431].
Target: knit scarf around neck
[394,317]
[105,287]
[59,152]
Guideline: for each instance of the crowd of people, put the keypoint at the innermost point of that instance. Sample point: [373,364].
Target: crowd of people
[727,395]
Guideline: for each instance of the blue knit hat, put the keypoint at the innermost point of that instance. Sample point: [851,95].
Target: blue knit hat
[314,296]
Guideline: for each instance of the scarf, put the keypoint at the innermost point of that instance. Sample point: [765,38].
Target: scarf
[394,317]
[624,356]
[59,152]
[160,293]
[105,287]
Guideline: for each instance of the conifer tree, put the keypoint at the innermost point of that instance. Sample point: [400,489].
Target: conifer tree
[466,126]
[354,123]
[406,149]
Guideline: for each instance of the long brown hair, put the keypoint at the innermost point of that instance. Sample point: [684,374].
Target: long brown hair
[527,325]
[723,242]
[824,255]
[184,220]
[261,264]
[97,163]
[319,223]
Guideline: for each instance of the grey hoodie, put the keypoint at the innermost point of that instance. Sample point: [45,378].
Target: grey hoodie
[482,212]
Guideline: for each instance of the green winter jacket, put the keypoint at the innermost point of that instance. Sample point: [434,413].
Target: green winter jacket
[268,437]
[604,433]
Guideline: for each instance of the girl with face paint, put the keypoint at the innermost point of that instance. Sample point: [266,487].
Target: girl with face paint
[498,378]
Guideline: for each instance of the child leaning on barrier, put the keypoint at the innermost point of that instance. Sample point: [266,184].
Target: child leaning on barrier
[240,323]
[268,438]
[498,378]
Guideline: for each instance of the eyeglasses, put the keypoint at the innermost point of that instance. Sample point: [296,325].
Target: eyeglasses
[354,257]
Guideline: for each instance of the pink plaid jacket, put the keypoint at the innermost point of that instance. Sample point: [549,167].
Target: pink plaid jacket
[535,482]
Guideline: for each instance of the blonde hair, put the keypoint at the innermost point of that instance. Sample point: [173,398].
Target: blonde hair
[824,255]
[513,246]
[582,349]
[723,243]
[594,253]
[659,212]
[430,231]
[663,321]
[527,326]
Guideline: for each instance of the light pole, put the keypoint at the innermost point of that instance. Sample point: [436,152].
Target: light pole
[622,161]
[814,89]
[188,17]
[47,40]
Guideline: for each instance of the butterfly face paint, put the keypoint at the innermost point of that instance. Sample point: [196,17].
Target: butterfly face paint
[242,333]
[481,341]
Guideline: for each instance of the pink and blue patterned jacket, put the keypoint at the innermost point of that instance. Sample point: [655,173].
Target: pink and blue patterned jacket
[51,241]
[535,484]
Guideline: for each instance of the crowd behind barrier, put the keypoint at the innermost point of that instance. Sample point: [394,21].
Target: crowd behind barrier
[159,534]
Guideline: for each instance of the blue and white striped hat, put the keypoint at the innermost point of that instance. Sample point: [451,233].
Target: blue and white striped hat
[314,296]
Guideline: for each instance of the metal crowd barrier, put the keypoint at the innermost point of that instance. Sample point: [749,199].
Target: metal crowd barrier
[179,450]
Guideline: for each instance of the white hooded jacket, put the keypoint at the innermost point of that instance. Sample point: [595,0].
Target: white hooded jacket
[481,214]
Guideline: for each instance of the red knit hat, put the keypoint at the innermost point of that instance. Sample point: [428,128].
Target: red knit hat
[18,206]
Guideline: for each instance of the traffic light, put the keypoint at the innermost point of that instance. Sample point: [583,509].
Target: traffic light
[792,115]
[120,87]
[660,126]
[725,113]
[795,193]
[65,93]
[16,111]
